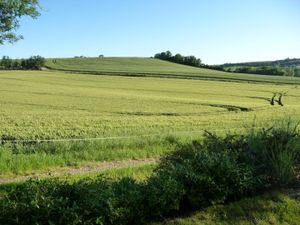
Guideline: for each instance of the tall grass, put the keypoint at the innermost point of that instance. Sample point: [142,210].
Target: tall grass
[279,150]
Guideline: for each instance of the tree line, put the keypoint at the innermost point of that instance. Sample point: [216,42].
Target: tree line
[32,63]
[266,70]
[277,63]
[178,58]
[261,70]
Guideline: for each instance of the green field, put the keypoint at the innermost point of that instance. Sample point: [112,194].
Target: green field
[154,68]
[133,117]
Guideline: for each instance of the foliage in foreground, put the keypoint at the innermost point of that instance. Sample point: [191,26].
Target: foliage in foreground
[10,14]
[201,173]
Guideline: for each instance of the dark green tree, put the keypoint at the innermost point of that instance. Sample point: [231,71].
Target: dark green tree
[178,58]
[6,62]
[10,13]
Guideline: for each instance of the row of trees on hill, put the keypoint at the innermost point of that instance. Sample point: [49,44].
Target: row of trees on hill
[261,70]
[32,63]
[178,58]
[266,70]
[277,63]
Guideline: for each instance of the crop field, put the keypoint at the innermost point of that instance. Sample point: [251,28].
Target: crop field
[123,117]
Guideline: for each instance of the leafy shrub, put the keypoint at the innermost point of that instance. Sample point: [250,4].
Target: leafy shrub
[111,202]
[163,195]
[39,202]
[209,175]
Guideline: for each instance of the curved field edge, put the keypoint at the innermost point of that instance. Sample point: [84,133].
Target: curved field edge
[148,67]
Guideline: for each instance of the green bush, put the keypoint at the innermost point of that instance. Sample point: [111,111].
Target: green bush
[201,173]
[163,194]
[39,202]
[111,202]
[210,172]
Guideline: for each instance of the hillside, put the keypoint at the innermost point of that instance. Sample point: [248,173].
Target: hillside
[152,67]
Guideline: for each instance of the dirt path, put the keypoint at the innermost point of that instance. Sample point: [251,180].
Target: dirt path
[91,167]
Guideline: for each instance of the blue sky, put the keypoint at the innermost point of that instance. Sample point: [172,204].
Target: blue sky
[217,31]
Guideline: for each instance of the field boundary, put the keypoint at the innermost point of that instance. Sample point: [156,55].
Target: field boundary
[16,141]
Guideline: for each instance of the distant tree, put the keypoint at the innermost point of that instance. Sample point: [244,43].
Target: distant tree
[33,63]
[290,72]
[23,63]
[16,65]
[6,62]
[163,56]
[187,60]
[297,72]
[101,56]
[178,58]
[10,13]
[168,54]
[157,56]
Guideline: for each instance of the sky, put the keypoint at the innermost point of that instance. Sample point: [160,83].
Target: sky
[217,31]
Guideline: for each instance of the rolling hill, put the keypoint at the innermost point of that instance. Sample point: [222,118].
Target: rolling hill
[133,66]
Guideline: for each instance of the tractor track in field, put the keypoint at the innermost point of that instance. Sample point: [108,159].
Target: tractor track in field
[88,168]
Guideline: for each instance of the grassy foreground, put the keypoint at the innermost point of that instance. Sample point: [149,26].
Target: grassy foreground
[209,172]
